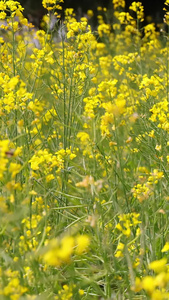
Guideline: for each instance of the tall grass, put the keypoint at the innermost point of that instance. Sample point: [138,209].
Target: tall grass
[84,155]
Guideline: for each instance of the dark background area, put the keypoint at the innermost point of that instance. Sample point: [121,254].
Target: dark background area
[34,10]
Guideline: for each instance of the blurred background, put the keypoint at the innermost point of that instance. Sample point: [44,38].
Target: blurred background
[34,10]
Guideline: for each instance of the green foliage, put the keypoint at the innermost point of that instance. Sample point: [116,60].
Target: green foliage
[84,155]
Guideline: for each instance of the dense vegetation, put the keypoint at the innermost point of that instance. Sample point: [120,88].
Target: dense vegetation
[84,155]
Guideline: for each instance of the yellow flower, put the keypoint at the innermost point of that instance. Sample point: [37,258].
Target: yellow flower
[50,177]
[59,252]
[166,247]
[162,279]
[148,284]
[49,4]
[158,147]
[83,136]
[90,13]
[2,15]
[118,3]
[2,5]
[50,257]
[14,168]
[119,250]
[82,243]
[158,265]
[66,248]
[138,285]
[139,9]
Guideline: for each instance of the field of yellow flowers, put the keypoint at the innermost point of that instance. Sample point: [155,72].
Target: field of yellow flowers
[84,155]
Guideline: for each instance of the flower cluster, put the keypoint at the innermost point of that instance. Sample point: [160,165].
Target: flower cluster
[84,154]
